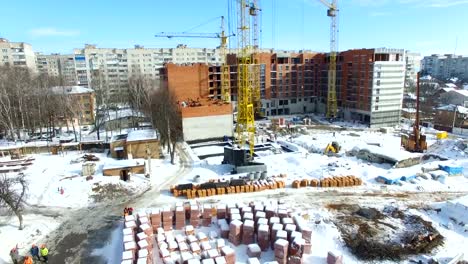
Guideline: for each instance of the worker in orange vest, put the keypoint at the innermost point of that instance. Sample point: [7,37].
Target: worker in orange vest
[28,260]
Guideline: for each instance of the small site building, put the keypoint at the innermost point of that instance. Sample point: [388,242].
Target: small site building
[124,168]
[137,144]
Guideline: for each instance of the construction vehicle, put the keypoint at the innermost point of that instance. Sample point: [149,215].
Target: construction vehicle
[415,141]
[225,72]
[332,148]
[332,12]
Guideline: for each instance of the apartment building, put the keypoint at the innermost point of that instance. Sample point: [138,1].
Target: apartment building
[57,65]
[17,54]
[369,83]
[413,66]
[82,100]
[446,66]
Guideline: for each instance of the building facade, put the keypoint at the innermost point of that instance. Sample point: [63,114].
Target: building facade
[57,65]
[446,66]
[81,103]
[413,66]
[17,54]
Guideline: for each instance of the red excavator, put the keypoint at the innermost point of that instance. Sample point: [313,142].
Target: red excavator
[415,141]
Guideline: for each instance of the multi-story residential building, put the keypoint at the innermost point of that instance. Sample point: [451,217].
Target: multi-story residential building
[61,66]
[17,54]
[413,66]
[82,103]
[369,82]
[446,66]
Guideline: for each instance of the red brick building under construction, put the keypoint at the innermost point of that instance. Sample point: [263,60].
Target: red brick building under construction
[369,85]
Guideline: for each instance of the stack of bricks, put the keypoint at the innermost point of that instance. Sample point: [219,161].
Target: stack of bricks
[179,218]
[235,232]
[306,233]
[254,251]
[296,250]
[224,228]
[167,218]
[281,251]
[263,237]
[253,261]
[145,253]
[155,218]
[194,215]
[129,243]
[229,255]
[221,211]
[248,232]
[333,258]
[207,214]
[144,257]
[274,231]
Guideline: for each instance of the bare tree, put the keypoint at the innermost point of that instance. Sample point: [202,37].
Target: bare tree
[12,195]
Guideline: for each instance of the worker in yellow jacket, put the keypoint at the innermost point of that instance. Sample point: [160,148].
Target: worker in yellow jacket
[44,253]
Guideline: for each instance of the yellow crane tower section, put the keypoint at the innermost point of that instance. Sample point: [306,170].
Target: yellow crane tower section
[332,12]
[245,127]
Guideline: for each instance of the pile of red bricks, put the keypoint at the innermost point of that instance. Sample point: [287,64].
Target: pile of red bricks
[138,240]
[343,181]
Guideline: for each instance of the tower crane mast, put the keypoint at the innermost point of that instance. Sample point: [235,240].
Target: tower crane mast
[332,12]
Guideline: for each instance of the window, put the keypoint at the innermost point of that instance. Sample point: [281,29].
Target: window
[293,101]
[378,91]
[376,107]
[377,99]
[268,105]
[378,82]
[378,74]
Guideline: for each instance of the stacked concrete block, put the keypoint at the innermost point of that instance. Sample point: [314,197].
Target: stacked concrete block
[262,221]
[207,214]
[212,253]
[220,243]
[145,255]
[263,237]
[306,233]
[221,211]
[259,215]
[183,246]
[128,238]
[172,245]
[143,220]
[195,215]
[179,218]
[235,232]
[208,261]
[128,255]
[143,236]
[334,258]
[281,251]
[205,245]
[248,232]
[236,217]
[191,239]
[132,247]
[224,228]
[195,247]
[128,231]
[274,231]
[274,220]
[282,234]
[220,260]
[167,218]
[201,237]
[254,251]
[132,225]
[147,229]
[289,228]
[189,230]
[253,261]
[229,255]
[186,256]
[270,211]
[248,216]
[233,211]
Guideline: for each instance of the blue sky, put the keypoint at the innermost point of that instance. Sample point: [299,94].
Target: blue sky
[427,26]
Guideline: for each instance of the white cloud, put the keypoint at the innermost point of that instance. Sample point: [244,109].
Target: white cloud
[49,31]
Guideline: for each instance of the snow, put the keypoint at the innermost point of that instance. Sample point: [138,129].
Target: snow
[451,85]
[71,90]
[36,227]
[114,164]
[137,135]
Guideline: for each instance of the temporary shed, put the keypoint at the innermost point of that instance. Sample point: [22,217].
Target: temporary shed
[124,168]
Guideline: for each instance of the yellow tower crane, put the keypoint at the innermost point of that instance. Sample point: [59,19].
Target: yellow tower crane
[332,12]
[246,75]
[225,72]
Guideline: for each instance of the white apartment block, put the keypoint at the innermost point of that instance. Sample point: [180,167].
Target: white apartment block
[57,65]
[446,66]
[17,54]
[117,66]
[387,88]
[413,66]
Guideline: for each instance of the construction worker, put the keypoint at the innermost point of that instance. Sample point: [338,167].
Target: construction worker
[14,255]
[130,210]
[44,253]
[34,251]
[125,211]
[28,260]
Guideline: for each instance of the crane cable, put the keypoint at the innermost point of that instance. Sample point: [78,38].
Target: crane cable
[202,24]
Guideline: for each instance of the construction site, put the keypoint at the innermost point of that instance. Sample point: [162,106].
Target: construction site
[286,158]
